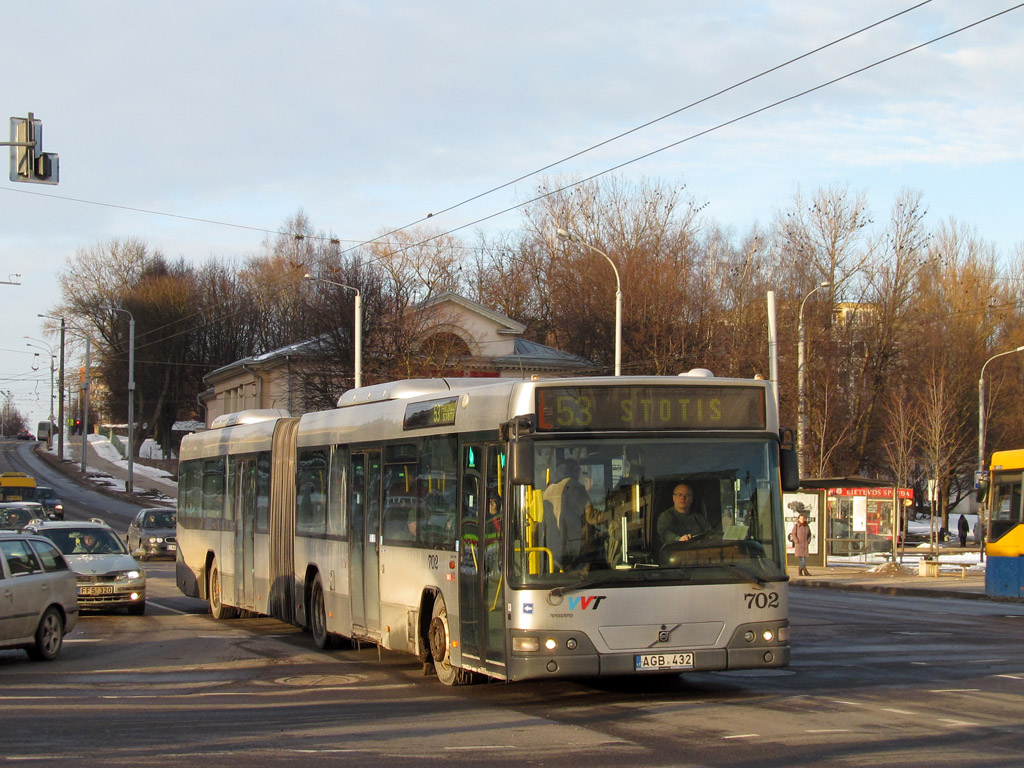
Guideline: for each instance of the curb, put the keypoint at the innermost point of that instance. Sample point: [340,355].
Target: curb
[890,589]
[70,470]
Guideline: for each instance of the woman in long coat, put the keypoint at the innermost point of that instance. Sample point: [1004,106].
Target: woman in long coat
[801,538]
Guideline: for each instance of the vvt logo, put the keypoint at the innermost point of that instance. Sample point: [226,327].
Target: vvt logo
[585,601]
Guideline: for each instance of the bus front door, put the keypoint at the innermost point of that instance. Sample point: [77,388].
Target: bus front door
[481,605]
[364,527]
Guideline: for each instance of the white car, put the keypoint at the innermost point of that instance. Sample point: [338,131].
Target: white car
[108,576]
[38,603]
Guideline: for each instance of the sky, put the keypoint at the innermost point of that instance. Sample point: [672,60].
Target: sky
[200,127]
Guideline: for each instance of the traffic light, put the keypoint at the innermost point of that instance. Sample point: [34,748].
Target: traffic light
[28,161]
[77,427]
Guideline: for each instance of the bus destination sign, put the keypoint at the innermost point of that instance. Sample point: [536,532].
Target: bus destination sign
[433,413]
[589,409]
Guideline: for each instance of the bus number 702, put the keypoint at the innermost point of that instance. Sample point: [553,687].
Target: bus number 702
[762,599]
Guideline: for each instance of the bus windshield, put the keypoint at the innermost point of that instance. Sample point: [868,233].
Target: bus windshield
[611,510]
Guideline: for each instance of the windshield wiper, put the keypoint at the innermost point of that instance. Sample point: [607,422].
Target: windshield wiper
[607,582]
[747,575]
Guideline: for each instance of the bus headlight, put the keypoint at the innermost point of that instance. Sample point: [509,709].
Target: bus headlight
[526,644]
[768,635]
[551,644]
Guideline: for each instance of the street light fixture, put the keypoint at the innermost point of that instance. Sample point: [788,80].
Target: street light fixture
[800,373]
[49,439]
[129,486]
[60,400]
[981,408]
[564,234]
[358,329]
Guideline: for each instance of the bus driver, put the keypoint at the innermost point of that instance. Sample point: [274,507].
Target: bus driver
[679,522]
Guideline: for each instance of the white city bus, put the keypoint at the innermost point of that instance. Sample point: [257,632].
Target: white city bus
[503,528]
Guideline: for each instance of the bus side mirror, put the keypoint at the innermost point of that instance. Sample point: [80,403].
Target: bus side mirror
[981,492]
[521,462]
[789,470]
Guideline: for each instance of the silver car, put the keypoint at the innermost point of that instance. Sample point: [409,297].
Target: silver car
[38,603]
[108,576]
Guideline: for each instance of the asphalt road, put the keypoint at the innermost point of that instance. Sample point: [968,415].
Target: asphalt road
[79,503]
[875,680]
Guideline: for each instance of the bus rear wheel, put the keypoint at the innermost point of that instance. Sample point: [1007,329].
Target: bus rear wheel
[324,640]
[215,597]
[440,648]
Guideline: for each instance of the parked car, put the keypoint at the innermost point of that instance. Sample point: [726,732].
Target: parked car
[38,603]
[51,503]
[108,576]
[15,515]
[153,533]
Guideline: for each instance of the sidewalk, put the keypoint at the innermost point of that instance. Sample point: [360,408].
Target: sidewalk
[107,472]
[896,580]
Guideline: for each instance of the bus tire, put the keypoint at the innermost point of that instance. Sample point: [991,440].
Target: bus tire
[440,647]
[218,610]
[324,640]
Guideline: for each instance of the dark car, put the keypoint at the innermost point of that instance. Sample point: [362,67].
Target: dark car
[153,533]
[51,503]
[15,515]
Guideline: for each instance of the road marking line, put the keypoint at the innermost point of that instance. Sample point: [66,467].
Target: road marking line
[1011,677]
[480,746]
[743,736]
[168,608]
[851,703]
[963,723]
[898,711]
[953,690]
[828,730]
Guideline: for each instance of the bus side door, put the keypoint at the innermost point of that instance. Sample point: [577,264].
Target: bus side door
[364,531]
[481,603]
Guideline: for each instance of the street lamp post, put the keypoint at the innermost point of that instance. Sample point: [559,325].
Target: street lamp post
[801,399]
[84,398]
[357,330]
[129,486]
[564,234]
[49,438]
[60,400]
[981,407]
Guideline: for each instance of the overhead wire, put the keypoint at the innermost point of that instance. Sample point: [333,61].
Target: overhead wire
[504,185]
[606,171]
[719,126]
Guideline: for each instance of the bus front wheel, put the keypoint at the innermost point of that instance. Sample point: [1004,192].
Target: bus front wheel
[440,648]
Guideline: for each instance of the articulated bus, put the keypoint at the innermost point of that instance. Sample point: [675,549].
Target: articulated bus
[1004,545]
[504,529]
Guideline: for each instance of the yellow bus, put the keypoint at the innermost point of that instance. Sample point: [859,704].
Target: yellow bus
[1004,576]
[17,486]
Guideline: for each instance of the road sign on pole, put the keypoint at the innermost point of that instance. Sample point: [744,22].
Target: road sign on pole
[28,161]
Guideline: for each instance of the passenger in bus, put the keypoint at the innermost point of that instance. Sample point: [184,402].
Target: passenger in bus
[565,503]
[681,522]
